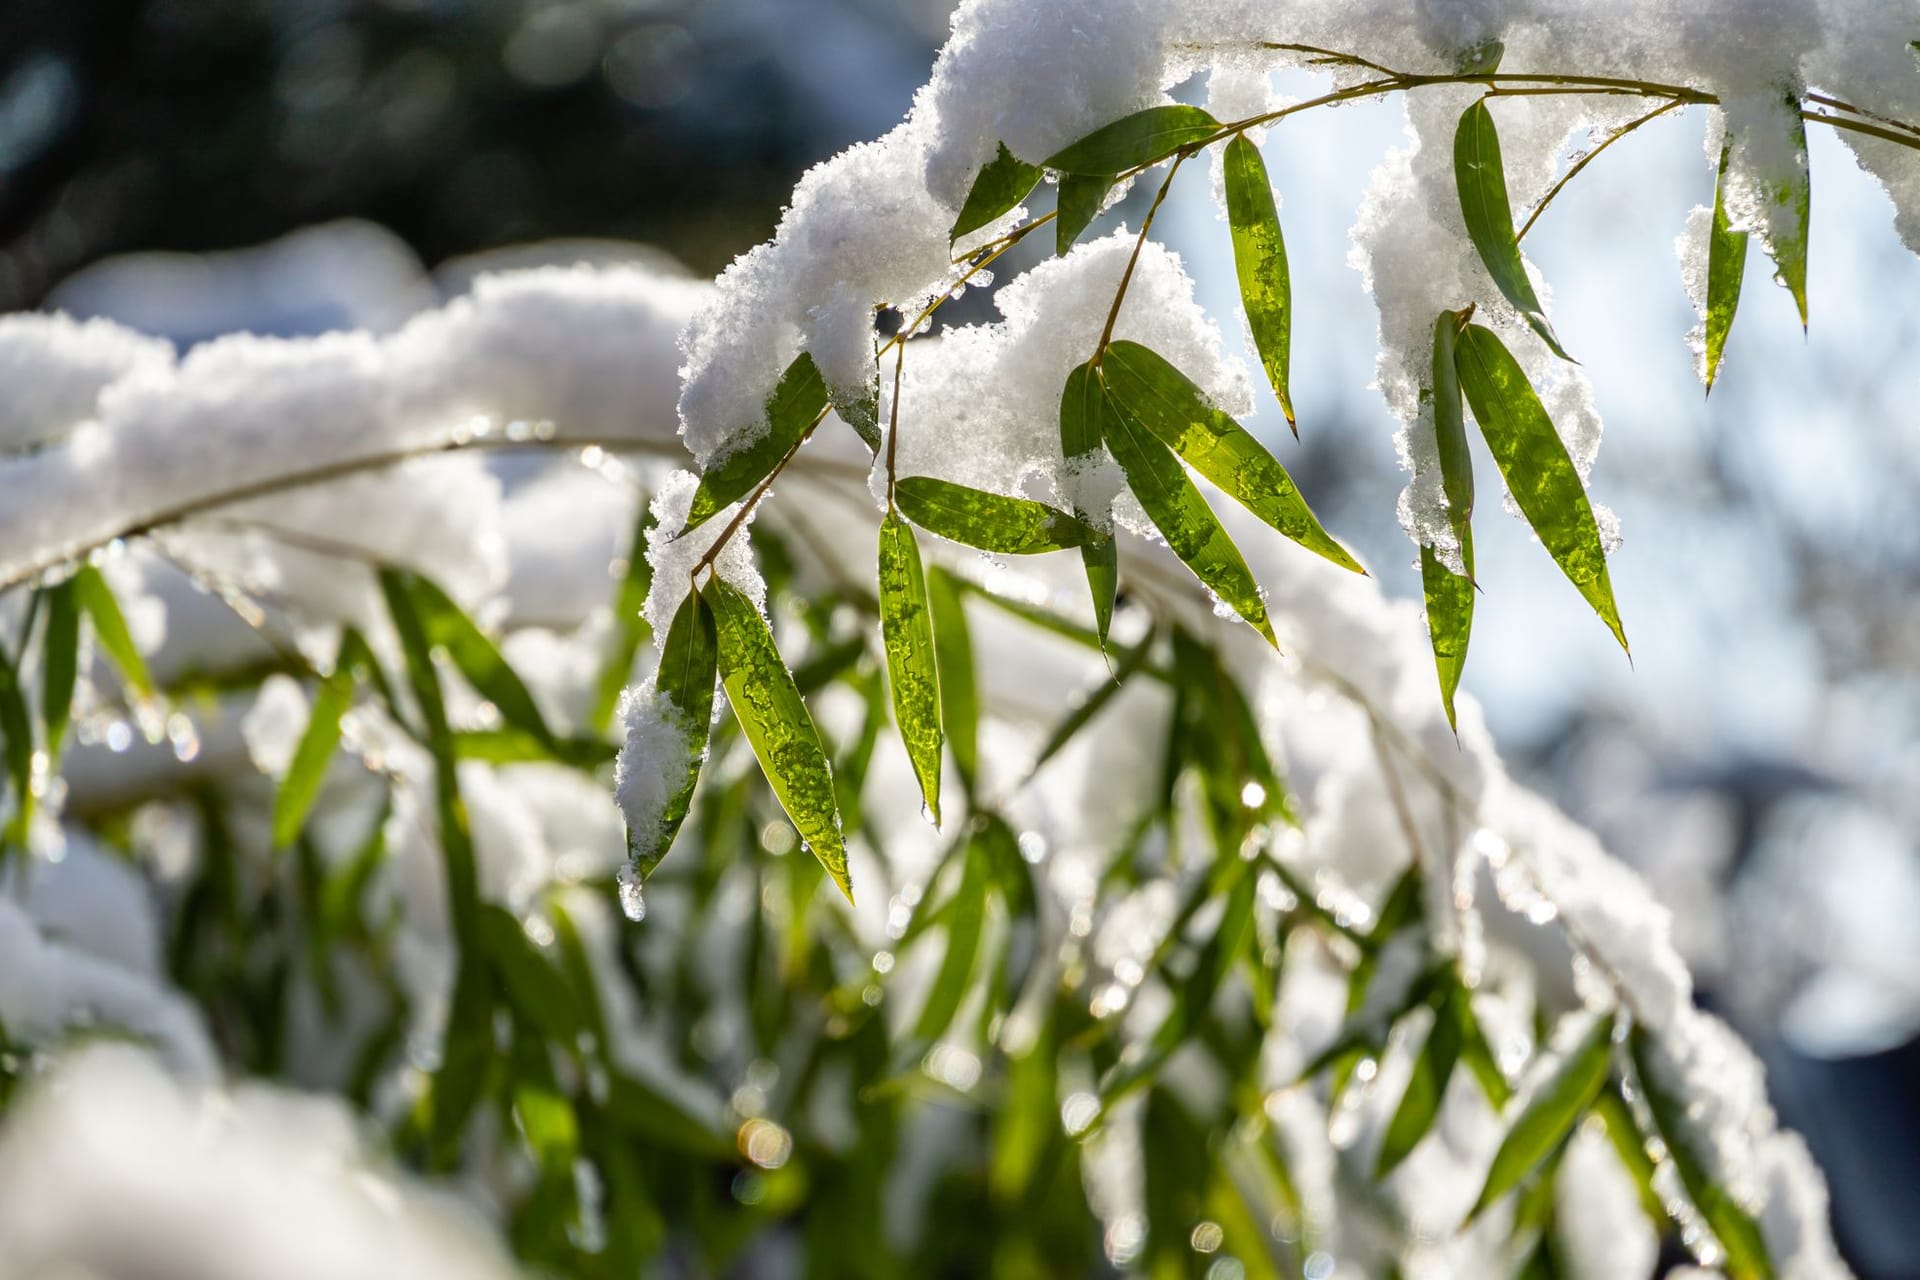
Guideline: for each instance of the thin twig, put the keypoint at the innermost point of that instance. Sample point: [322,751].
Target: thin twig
[893,422]
[1587,159]
[1139,243]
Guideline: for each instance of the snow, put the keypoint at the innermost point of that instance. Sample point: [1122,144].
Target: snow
[653,759]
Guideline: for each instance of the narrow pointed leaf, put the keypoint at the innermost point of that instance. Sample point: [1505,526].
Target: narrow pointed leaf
[989,521]
[683,685]
[953,659]
[629,627]
[1631,1147]
[1079,204]
[1153,393]
[906,625]
[60,663]
[792,409]
[1426,1087]
[301,786]
[1551,1113]
[1084,707]
[538,990]
[1738,1233]
[965,917]
[1538,471]
[1080,446]
[1003,183]
[775,720]
[1449,618]
[1135,140]
[476,657]
[1482,183]
[1260,258]
[1182,515]
[1450,424]
[1726,272]
[862,412]
[96,598]
[17,724]
[1794,199]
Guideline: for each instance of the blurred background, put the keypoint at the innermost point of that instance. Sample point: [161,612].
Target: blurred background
[194,167]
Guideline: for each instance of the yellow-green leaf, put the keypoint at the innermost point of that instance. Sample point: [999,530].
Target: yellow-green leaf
[1449,597]
[1260,258]
[795,405]
[953,659]
[1165,401]
[689,662]
[476,657]
[1450,424]
[1080,446]
[17,724]
[1538,471]
[301,786]
[777,725]
[1549,1116]
[1482,183]
[965,916]
[1789,251]
[1135,140]
[59,664]
[989,521]
[1078,205]
[1003,182]
[1726,271]
[1182,515]
[96,598]
[906,625]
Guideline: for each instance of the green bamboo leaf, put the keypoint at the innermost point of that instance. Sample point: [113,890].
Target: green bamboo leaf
[1135,140]
[110,626]
[1080,446]
[1732,1225]
[777,725]
[1078,205]
[1450,424]
[989,521]
[1426,1087]
[539,992]
[629,626]
[953,659]
[60,664]
[965,917]
[1182,515]
[476,657]
[1631,1147]
[1158,396]
[301,786]
[16,722]
[1477,1053]
[862,411]
[1449,598]
[1003,182]
[689,664]
[510,746]
[1260,258]
[1482,183]
[1538,471]
[1083,707]
[906,625]
[1549,1116]
[1789,252]
[795,405]
[1726,271]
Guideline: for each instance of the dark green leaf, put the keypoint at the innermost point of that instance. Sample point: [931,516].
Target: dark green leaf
[96,598]
[475,656]
[1182,515]
[1732,1225]
[1614,1112]
[1482,59]
[538,991]
[862,411]
[1450,424]
[1080,446]
[953,654]
[906,625]
[793,408]
[1426,1087]
[1135,140]
[1002,183]
[777,725]
[1449,618]
[1538,471]
[59,663]
[1477,1053]
[965,916]
[17,723]
[684,682]
[1482,182]
[1549,1116]
[989,521]
[1079,204]
[1260,258]
[1153,393]
[1726,271]
[629,627]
